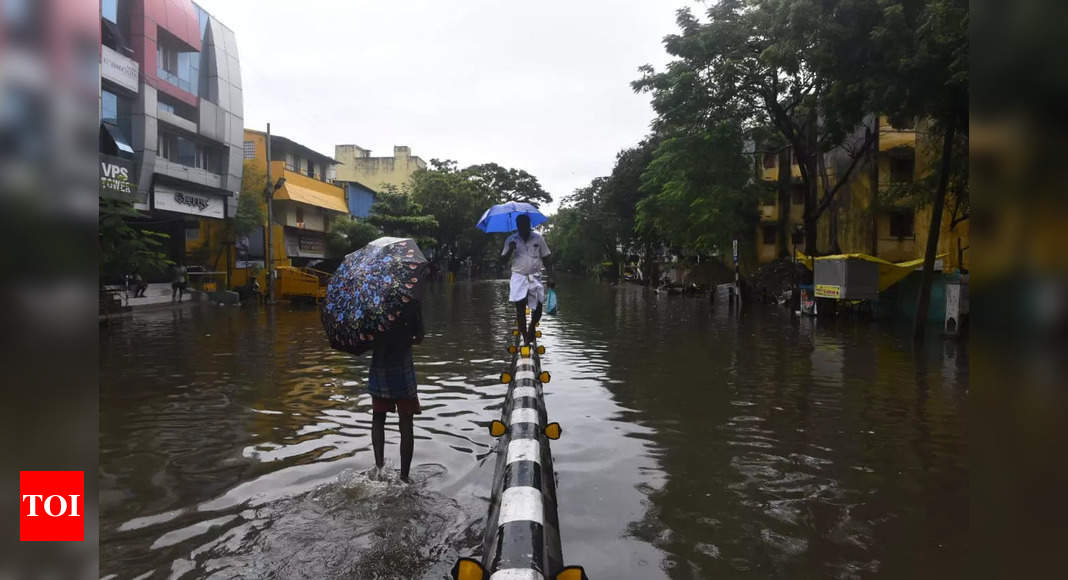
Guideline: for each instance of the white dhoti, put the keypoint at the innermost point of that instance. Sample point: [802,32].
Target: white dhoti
[526,286]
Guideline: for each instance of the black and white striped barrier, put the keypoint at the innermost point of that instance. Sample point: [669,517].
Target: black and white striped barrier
[522,540]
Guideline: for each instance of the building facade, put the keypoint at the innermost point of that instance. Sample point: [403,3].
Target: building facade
[171,113]
[375,173]
[870,214]
[302,207]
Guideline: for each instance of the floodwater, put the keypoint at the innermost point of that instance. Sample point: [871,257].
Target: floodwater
[697,443]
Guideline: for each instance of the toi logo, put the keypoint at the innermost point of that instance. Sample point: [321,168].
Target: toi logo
[51,506]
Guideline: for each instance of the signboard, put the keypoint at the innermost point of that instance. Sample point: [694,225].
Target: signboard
[828,291]
[735,248]
[117,177]
[181,201]
[118,69]
[305,244]
[250,250]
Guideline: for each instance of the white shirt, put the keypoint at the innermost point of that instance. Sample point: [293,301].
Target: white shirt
[527,257]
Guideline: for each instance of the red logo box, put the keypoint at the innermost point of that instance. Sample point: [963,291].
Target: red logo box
[51,506]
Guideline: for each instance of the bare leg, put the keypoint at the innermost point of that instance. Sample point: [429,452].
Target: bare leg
[521,320]
[534,318]
[378,437]
[407,432]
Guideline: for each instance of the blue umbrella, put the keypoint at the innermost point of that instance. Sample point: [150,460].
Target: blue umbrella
[501,217]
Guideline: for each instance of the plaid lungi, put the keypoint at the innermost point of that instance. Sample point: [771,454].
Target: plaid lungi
[393,382]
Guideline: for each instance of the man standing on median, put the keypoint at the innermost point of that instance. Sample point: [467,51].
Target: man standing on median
[528,251]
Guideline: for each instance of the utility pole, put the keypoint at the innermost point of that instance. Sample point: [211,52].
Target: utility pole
[269,195]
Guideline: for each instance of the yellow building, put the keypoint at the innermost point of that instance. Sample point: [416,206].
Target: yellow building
[356,164]
[302,209]
[900,228]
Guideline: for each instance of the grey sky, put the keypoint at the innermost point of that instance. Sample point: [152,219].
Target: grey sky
[542,86]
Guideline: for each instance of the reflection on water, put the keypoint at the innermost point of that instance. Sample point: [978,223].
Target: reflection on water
[696,443]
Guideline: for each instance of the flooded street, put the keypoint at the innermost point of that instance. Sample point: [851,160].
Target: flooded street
[696,444]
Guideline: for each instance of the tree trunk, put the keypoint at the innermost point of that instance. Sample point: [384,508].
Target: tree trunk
[924,300]
[785,181]
[812,190]
[874,154]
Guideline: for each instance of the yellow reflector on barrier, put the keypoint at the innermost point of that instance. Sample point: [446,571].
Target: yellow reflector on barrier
[541,349]
[468,569]
[571,573]
[511,349]
[544,376]
[525,351]
[515,332]
[498,428]
[506,378]
[553,430]
[537,334]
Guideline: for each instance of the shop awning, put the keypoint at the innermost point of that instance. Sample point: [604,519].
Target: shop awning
[309,196]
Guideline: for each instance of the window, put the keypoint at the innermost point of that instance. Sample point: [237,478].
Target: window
[250,149]
[770,160]
[291,162]
[798,193]
[902,224]
[116,110]
[109,10]
[300,216]
[769,235]
[166,107]
[179,67]
[310,169]
[187,152]
[902,169]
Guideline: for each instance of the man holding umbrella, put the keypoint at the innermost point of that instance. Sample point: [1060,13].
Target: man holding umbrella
[373,302]
[528,251]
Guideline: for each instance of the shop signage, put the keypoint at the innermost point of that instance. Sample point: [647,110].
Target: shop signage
[117,177]
[311,244]
[198,204]
[118,69]
[828,291]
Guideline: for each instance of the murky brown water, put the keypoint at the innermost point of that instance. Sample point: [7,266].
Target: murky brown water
[697,444]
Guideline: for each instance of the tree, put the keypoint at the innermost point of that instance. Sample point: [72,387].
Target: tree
[348,234]
[506,184]
[396,214]
[125,249]
[458,197]
[760,63]
[250,202]
[700,191]
[924,75]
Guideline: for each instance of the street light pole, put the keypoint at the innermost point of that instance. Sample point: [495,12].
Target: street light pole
[269,194]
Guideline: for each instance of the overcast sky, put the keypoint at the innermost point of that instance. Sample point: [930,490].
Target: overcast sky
[541,86]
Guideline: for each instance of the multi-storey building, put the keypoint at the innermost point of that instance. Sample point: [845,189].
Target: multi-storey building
[872,213]
[304,205]
[171,118]
[375,173]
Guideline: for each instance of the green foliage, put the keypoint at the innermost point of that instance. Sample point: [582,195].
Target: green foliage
[458,197]
[125,249]
[699,198]
[348,234]
[250,214]
[396,214]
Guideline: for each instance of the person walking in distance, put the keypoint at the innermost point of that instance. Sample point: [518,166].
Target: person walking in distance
[179,282]
[528,252]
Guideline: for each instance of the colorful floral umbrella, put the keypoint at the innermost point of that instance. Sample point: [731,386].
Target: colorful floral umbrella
[368,291]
